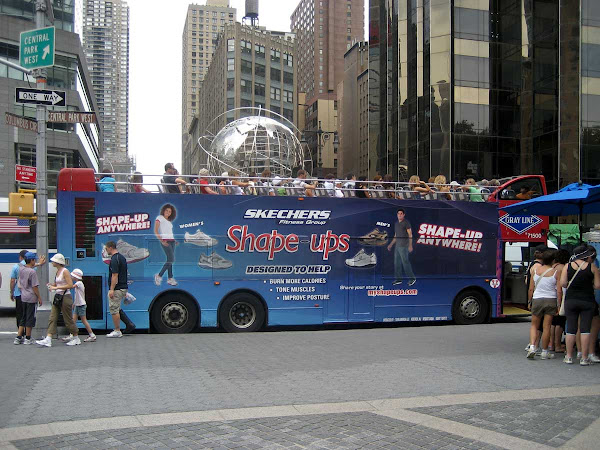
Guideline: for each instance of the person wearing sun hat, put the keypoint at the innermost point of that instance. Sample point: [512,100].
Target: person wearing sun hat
[80,306]
[61,287]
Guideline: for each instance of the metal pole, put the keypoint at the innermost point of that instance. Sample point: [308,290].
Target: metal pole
[40,158]
[320,149]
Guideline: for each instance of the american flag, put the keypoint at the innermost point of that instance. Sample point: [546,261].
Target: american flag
[14,225]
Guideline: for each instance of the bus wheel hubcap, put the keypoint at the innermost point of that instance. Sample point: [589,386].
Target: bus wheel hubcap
[174,315]
[469,308]
[242,315]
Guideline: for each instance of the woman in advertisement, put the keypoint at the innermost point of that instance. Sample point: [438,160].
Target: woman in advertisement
[163,229]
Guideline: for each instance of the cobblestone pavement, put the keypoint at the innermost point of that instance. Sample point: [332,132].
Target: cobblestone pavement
[322,431]
[60,392]
[552,421]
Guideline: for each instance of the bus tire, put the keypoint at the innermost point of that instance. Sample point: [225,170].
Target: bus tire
[470,307]
[241,313]
[174,313]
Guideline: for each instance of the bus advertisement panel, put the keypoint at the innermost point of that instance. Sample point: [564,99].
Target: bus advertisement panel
[244,261]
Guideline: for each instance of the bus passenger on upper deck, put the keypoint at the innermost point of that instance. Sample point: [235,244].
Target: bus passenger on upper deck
[171,180]
[204,183]
[362,188]
[236,185]
[473,190]
[418,188]
[107,182]
[309,189]
[137,179]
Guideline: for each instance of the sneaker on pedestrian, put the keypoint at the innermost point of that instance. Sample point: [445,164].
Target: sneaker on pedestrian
[199,238]
[527,348]
[74,341]
[531,352]
[18,340]
[579,355]
[67,338]
[90,338]
[411,282]
[585,362]
[547,355]
[593,358]
[172,281]
[131,253]
[114,334]
[538,351]
[157,279]
[214,261]
[362,259]
[46,342]
[567,360]
[27,341]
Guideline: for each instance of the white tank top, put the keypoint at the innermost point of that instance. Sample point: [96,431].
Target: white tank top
[546,286]
[60,281]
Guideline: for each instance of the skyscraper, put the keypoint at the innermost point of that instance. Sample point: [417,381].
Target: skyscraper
[486,89]
[325,30]
[203,23]
[105,37]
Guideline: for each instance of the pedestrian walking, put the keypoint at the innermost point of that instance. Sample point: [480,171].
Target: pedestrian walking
[30,299]
[117,279]
[580,277]
[80,306]
[15,292]
[62,302]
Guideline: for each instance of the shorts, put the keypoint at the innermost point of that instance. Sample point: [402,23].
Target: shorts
[80,310]
[114,304]
[559,321]
[541,307]
[28,313]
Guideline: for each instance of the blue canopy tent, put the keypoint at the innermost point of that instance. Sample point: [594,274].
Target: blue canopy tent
[574,199]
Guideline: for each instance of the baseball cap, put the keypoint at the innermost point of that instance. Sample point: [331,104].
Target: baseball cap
[454,183]
[30,255]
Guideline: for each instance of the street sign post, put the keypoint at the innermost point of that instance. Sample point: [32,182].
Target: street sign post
[37,48]
[25,174]
[20,122]
[40,97]
[71,117]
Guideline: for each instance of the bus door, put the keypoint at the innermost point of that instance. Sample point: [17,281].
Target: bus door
[97,303]
[361,306]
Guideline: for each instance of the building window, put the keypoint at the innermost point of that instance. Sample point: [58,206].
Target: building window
[231,45]
[275,93]
[471,24]
[288,96]
[259,89]
[275,74]
[288,78]
[288,114]
[259,50]
[246,47]
[231,64]
[259,70]
[246,67]
[288,60]
[230,84]
[246,86]
[275,55]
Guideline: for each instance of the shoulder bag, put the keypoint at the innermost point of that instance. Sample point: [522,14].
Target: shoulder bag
[561,312]
[58,298]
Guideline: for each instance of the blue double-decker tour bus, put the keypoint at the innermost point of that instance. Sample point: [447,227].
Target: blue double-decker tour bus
[248,261]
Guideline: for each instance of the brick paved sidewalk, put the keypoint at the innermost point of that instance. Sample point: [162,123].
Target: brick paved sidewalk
[528,419]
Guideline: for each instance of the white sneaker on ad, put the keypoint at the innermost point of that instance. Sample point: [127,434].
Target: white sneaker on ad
[362,259]
[131,253]
[157,279]
[172,281]
[214,261]
[199,238]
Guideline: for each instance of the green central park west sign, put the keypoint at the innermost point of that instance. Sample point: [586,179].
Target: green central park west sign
[37,48]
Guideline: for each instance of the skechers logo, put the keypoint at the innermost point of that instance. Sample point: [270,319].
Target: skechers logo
[286,214]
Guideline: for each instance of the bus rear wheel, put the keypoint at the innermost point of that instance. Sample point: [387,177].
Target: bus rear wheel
[470,307]
[241,312]
[174,313]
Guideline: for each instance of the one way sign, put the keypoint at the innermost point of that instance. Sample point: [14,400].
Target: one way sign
[40,97]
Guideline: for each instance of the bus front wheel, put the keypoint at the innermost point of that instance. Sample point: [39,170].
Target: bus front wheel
[470,307]
[241,312]
[174,313]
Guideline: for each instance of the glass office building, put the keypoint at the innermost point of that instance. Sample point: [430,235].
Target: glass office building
[485,88]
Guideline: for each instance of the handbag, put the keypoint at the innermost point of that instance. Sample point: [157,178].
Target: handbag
[129,299]
[562,312]
[57,300]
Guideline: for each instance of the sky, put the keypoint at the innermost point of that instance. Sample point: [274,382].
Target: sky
[155,47]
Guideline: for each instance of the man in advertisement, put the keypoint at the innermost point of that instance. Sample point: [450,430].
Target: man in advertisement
[403,240]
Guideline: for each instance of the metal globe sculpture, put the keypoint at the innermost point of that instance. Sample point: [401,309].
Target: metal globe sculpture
[254,143]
